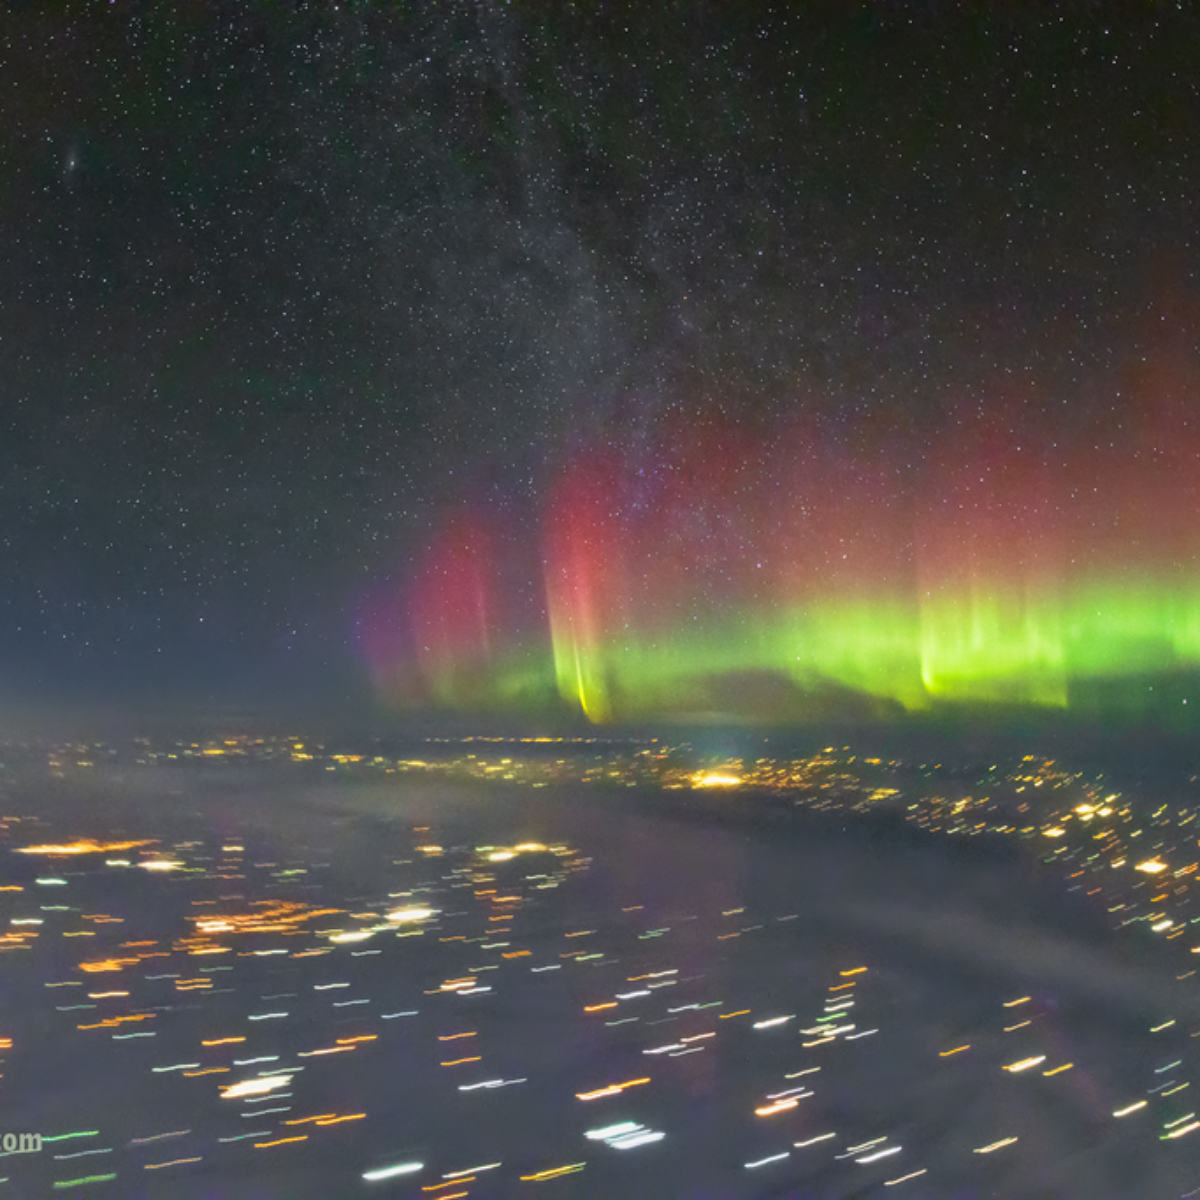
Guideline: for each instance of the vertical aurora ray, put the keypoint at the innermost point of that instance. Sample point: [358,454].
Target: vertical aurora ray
[454,630]
[584,578]
[991,562]
[841,540]
[431,636]
[1135,599]
[454,604]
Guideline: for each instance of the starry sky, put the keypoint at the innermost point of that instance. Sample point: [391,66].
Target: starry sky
[494,355]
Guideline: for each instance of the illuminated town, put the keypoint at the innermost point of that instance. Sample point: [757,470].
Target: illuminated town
[451,976]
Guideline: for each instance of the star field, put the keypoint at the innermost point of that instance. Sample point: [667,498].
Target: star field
[283,292]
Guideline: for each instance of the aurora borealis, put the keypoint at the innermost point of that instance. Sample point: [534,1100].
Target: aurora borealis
[600,363]
[786,574]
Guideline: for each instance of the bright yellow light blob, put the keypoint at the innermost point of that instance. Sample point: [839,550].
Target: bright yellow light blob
[716,779]
[255,1087]
[410,914]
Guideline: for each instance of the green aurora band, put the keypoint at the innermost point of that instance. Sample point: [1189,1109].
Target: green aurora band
[966,650]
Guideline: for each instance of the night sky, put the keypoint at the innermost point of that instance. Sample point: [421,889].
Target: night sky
[619,359]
